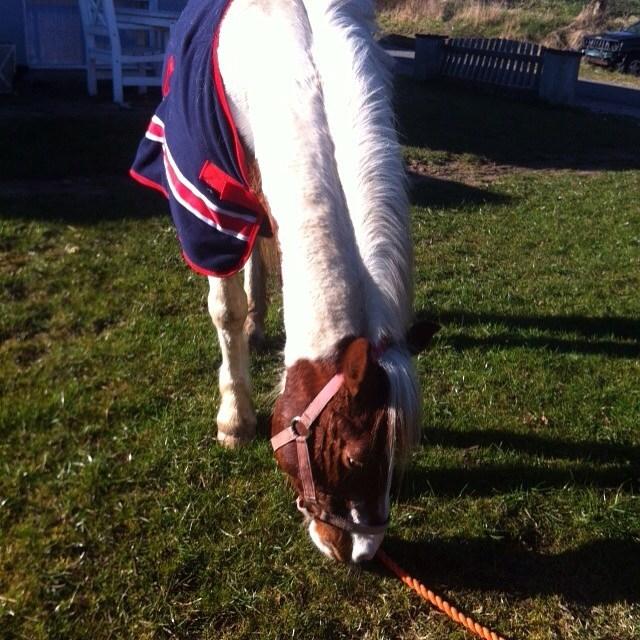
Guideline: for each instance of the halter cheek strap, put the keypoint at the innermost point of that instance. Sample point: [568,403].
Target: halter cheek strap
[299,431]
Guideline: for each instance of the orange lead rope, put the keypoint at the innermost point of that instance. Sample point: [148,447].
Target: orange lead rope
[436,600]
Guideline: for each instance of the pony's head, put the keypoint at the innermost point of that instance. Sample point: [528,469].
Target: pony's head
[334,430]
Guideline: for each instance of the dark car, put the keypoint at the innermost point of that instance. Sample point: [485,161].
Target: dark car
[618,50]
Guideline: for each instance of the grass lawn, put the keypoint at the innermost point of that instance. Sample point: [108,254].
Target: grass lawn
[120,517]
[598,74]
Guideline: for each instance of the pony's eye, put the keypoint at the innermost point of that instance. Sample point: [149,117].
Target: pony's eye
[353,463]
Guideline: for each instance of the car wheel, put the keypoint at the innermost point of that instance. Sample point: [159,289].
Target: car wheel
[634,67]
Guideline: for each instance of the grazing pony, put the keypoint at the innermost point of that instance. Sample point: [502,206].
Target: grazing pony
[305,92]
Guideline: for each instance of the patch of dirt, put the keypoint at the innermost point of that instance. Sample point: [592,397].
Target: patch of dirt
[485,173]
[473,175]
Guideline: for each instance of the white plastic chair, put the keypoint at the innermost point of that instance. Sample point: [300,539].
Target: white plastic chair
[125,42]
[7,66]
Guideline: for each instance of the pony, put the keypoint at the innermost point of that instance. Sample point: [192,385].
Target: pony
[309,91]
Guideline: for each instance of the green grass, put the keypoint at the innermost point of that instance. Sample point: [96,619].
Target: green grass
[120,517]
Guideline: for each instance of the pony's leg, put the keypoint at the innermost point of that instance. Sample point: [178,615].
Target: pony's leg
[256,290]
[228,310]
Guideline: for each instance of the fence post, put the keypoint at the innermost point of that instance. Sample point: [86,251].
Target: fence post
[429,56]
[559,76]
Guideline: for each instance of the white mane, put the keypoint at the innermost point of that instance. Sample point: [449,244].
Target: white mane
[355,76]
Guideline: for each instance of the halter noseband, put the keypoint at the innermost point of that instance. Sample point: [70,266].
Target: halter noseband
[299,431]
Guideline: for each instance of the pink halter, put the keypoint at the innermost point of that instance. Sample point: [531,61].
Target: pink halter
[299,431]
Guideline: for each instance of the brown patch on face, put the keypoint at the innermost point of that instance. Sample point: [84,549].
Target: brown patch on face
[348,442]
[337,540]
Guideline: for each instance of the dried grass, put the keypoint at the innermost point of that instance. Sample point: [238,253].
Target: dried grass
[477,13]
[414,9]
[591,19]
[480,13]
[504,19]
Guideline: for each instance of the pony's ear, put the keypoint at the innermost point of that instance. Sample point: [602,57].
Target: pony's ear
[354,364]
[420,334]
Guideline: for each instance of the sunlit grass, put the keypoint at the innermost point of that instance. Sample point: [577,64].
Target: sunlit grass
[120,517]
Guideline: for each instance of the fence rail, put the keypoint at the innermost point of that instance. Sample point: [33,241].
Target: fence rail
[511,65]
[505,63]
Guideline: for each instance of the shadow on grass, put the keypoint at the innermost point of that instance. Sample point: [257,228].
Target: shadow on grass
[534,444]
[507,132]
[272,344]
[88,200]
[586,463]
[612,336]
[263,426]
[606,326]
[557,345]
[69,156]
[492,479]
[428,191]
[80,201]
[602,571]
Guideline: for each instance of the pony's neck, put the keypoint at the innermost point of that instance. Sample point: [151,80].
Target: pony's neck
[279,108]
[321,278]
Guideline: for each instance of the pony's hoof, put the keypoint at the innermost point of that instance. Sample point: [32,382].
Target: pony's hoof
[236,421]
[231,441]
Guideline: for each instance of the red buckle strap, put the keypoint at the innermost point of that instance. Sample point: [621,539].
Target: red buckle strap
[229,189]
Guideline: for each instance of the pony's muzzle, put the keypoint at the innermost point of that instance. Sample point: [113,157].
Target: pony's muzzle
[341,545]
[335,543]
[365,546]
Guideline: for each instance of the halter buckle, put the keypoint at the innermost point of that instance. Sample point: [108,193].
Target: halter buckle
[304,433]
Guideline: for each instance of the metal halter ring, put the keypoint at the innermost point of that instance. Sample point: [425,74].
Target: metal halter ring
[294,427]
